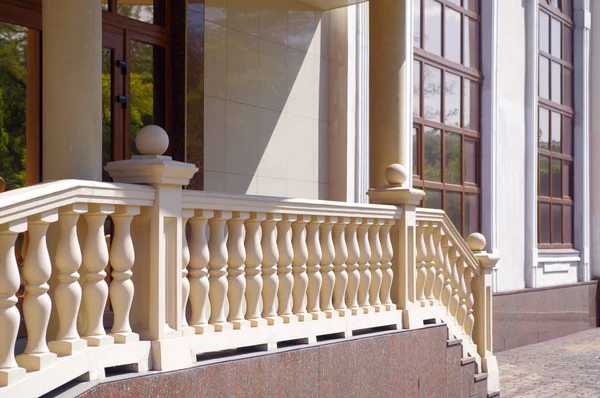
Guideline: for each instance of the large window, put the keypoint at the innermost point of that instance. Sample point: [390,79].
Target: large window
[555,137]
[446,111]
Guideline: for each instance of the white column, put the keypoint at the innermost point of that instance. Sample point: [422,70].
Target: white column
[72,89]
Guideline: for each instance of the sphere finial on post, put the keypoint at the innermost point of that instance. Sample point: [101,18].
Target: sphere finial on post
[152,140]
[476,242]
[396,174]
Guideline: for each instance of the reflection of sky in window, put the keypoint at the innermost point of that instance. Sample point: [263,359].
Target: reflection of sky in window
[433,27]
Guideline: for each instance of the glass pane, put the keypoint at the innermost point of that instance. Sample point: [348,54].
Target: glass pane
[567,44]
[417,23]
[556,224]
[417,88]
[452,159]
[453,208]
[452,32]
[566,179]
[556,178]
[141,10]
[415,138]
[555,83]
[146,89]
[107,109]
[556,126]
[544,175]
[433,199]
[471,105]
[451,99]
[544,222]
[544,125]
[555,38]
[567,83]
[13,104]
[567,135]
[471,43]
[432,79]
[471,214]
[544,32]
[433,154]
[544,78]
[104,5]
[471,161]
[567,224]
[433,27]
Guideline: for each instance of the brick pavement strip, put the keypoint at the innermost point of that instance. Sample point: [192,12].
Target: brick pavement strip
[565,367]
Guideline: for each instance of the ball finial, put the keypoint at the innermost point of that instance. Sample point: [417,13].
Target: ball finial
[152,140]
[476,242]
[396,174]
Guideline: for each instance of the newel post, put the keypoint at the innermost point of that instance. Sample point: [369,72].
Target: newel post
[403,234]
[483,309]
[157,235]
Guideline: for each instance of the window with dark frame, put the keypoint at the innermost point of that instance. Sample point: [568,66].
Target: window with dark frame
[446,108]
[555,118]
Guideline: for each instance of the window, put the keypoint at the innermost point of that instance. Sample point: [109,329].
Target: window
[555,124]
[446,108]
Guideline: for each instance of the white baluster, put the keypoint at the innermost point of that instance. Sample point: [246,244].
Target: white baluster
[235,269]
[284,268]
[421,264]
[299,268]
[9,314]
[254,282]
[185,283]
[217,271]
[198,273]
[339,267]
[352,266]
[462,292]
[455,281]
[386,265]
[363,266]
[95,289]
[122,290]
[375,265]
[328,253]
[438,286]
[313,266]
[447,289]
[430,263]
[37,305]
[269,268]
[470,321]
[67,296]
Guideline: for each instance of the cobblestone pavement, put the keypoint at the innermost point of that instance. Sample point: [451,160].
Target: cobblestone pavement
[564,367]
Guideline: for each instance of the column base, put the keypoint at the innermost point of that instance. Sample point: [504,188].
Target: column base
[274,320]
[99,341]
[223,327]
[289,318]
[390,307]
[10,376]
[318,316]
[67,347]
[305,317]
[343,312]
[36,362]
[356,311]
[187,331]
[367,309]
[258,322]
[203,329]
[240,324]
[125,337]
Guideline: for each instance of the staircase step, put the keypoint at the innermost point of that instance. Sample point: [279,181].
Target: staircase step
[481,377]
[453,342]
[467,361]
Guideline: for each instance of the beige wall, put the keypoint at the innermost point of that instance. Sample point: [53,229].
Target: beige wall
[266,98]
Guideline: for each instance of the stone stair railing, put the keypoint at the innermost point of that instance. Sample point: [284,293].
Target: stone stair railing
[197,272]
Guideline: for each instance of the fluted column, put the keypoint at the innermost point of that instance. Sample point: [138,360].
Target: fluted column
[339,267]
[198,273]
[284,268]
[217,270]
[185,283]
[328,254]
[299,268]
[67,296]
[386,265]
[363,266]
[352,266]
[254,282]
[269,268]
[235,269]
[313,266]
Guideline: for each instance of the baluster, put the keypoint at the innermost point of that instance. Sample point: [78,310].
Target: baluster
[122,258]
[9,314]
[328,253]
[37,305]
[269,268]
[185,283]
[284,268]
[470,321]
[462,292]
[352,266]
[438,286]
[198,273]
[386,265]
[375,265]
[67,296]
[454,301]
[235,269]
[363,266]
[339,267]
[217,264]
[430,263]
[421,264]
[299,268]
[447,273]
[254,257]
[95,289]
[313,266]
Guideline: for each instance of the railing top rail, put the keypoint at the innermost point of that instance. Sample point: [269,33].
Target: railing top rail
[24,202]
[263,204]
[440,216]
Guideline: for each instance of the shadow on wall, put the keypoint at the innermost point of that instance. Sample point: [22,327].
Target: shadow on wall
[266,99]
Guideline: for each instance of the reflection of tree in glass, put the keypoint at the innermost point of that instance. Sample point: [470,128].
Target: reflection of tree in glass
[13,75]
[141,89]
[141,13]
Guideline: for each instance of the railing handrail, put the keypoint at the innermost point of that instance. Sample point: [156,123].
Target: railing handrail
[24,202]
[440,216]
[265,204]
